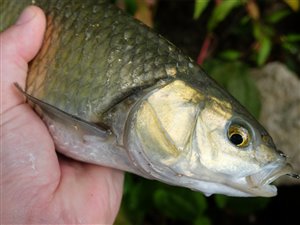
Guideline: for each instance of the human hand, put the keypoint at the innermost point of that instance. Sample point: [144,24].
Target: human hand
[37,186]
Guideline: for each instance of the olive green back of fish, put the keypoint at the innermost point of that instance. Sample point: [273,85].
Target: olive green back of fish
[94,54]
[9,11]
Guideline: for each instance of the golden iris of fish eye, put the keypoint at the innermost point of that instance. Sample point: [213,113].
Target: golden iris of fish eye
[241,132]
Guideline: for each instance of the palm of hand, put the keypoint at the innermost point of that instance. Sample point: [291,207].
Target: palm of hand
[37,186]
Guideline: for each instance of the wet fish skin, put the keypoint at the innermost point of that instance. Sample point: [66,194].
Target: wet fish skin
[102,31]
[164,118]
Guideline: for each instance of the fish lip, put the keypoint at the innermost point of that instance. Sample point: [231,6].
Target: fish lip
[262,180]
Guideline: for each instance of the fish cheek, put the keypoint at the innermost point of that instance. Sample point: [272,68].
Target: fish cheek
[222,157]
[216,152]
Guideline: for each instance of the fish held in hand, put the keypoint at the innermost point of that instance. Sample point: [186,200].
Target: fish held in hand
[114,93]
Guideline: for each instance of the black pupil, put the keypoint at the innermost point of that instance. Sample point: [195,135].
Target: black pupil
[236,139]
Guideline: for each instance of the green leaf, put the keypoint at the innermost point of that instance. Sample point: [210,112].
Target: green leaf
[127,184]
[291,38]
[137,198]
[261,31]
[244,206]
[245,19]
[131,6]
[241,205]
[174,206]
[291,62]
[264,50]
[291,47]
[203,220]
[179,203]
[200,202]
[200,6]
[263,34]
[230,55]
[293,4]
[276,16]
[221,201]
[257,31]
[122,218]
[221,11]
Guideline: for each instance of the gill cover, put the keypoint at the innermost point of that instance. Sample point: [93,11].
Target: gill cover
[160,133]
[160,129]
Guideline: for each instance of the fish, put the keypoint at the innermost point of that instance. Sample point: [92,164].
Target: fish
[114,93]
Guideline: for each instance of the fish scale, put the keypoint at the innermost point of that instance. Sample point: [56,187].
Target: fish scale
[71,67]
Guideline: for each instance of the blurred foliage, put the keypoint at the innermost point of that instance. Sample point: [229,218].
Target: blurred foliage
[220,11]
[131,6]
[250,33]
[159,203]
[242,206]
[255,26]
[200,5]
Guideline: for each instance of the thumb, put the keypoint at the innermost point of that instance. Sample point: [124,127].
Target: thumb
[19,44]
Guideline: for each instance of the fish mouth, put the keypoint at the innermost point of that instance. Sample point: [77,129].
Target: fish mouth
[260,183]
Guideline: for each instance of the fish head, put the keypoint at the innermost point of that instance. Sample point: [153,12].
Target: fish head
[235,147]
[204,142]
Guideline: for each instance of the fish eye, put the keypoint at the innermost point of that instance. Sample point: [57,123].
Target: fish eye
[238,135]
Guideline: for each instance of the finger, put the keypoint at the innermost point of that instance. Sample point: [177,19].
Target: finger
[19,44]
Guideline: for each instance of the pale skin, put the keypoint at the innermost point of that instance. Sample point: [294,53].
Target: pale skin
[37,186]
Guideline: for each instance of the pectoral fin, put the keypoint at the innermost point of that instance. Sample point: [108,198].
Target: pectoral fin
[80,139]
[82,126]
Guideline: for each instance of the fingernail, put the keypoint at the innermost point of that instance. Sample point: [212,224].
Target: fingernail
[26,16]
